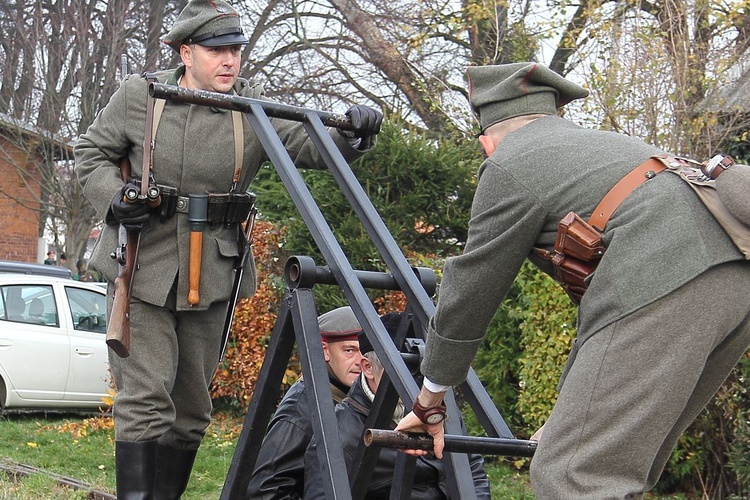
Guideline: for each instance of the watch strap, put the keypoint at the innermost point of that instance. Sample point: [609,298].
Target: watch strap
[424,414]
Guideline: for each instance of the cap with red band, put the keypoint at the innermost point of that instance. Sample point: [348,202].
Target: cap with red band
[339,325]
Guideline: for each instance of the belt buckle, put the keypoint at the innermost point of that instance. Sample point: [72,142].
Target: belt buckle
[182,205]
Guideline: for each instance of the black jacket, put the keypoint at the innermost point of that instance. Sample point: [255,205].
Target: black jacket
[430,481]
[279,470]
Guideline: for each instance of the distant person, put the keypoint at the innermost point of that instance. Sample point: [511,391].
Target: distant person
[51,259]
[81,270]
[63,260]
[430,479]
[280,468]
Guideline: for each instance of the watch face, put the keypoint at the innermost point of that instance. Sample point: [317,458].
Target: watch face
[435,418]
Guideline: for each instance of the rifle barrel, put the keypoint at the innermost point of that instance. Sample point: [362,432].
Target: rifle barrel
[238,103]
[453,443]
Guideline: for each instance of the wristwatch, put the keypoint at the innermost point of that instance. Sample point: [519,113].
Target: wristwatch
[433,415]
[716,165]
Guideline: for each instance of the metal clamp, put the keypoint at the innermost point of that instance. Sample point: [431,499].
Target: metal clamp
[183,203]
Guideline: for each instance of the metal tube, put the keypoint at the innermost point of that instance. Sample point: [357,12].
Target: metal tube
[235,102]
[301,272]
[453,443]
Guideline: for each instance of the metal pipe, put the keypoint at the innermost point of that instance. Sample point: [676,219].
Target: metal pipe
[236,102]
[301,272]
[453,443]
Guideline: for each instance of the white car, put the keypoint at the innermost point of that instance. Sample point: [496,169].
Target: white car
[52,343]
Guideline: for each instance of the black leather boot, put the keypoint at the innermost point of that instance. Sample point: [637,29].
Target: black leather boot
[134,462]
[173,469]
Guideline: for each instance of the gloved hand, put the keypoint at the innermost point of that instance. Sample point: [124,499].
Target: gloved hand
[130,215]
[365,122]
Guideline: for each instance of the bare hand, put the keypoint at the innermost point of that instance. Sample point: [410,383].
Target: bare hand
[410,423]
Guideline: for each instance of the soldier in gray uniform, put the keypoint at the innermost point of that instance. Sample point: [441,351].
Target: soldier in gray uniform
[163,406]
[664,319]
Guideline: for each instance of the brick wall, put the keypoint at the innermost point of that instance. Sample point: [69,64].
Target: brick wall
[19,220]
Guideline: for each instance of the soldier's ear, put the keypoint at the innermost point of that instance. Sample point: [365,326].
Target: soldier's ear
[186,54]
[488,143]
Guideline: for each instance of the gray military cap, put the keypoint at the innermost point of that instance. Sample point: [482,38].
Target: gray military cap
[339,325]
[211,23]
[508,90]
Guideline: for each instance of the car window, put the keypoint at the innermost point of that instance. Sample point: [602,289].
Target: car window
[89,309]
[32,304]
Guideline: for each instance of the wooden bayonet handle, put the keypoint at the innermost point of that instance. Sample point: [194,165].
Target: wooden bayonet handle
[197,216]
[196,246]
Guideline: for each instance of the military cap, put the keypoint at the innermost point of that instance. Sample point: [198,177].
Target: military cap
[211,23]
[391,321]
[505,91]
[338,325]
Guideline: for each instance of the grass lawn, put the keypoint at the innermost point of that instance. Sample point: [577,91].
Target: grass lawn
[83,448]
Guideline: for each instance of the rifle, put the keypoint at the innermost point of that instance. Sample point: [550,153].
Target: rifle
[118,326]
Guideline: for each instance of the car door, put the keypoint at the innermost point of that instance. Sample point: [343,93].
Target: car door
[33,347]
[86,320]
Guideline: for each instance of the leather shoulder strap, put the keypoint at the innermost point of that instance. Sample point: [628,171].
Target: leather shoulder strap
[239,144]
[148,143]
[640,174]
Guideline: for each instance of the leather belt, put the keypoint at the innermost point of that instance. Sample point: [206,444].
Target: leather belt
[223,208]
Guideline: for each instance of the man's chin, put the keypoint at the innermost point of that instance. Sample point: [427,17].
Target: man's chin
[223,87]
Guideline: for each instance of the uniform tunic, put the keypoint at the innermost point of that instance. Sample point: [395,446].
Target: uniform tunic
[659,238]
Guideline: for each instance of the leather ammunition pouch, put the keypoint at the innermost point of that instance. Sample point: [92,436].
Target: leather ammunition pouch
[229,208]
[578,249]
[223,208]
[579,246]
[577,239]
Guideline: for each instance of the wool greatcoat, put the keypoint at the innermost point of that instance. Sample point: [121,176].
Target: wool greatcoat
[659,241]
[194,152]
